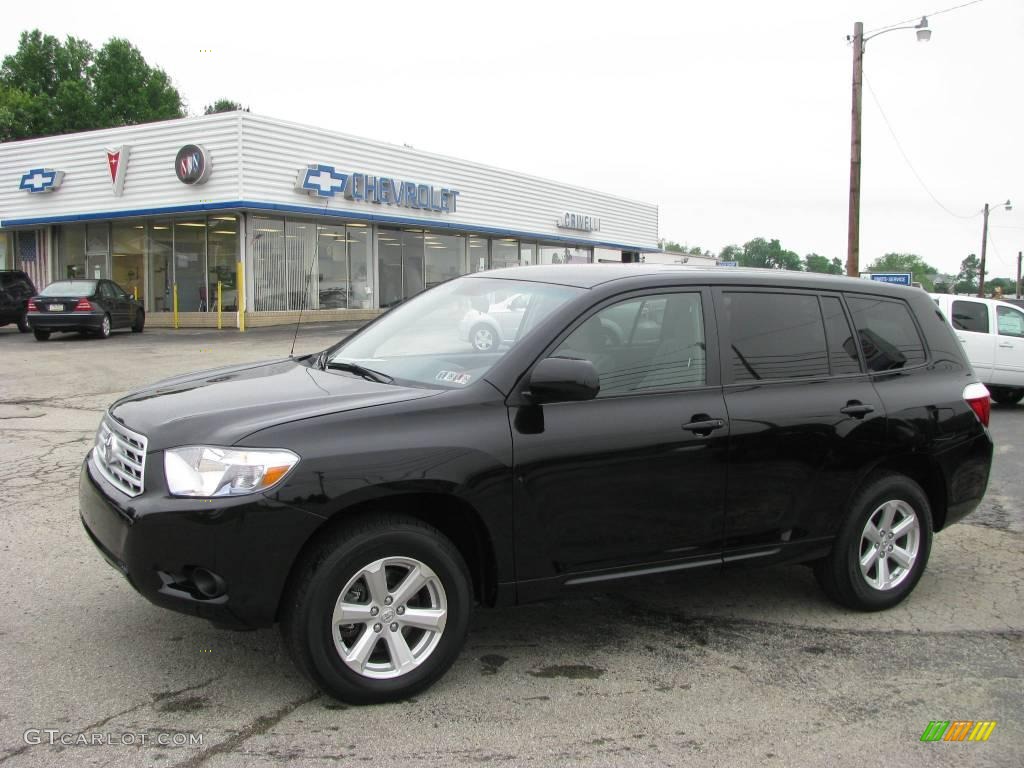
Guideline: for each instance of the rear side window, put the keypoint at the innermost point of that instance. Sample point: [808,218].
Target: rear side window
[842,349]
[970,316]
[887,332]
[1011,321]
[774,336]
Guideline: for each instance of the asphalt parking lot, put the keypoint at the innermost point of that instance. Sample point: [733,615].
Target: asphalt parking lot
[749,668]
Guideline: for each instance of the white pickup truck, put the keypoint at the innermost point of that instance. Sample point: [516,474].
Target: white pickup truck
[992,333]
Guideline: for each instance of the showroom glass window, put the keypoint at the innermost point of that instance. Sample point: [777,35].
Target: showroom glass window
[161,265]
[222,260]
[190,265]
[970,316]
[71,252]
[774,336]
[565,254]
[126,256]
[504,252]
[269,287]
[888,334]
[478,254]
[444,257]
[641,344]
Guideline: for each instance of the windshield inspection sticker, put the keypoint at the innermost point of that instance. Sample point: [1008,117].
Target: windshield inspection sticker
[453,377]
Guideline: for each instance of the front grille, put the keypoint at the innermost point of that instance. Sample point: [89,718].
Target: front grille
[120,456]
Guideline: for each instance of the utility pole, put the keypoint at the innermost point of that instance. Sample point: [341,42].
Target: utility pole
[853,231]
[1019,287]
[984,245]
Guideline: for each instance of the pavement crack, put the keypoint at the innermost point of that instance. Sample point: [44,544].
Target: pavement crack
[257,727]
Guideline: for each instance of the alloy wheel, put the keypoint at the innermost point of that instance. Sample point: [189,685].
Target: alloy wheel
[389,618]
[889,545]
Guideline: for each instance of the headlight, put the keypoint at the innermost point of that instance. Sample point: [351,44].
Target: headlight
[200,470]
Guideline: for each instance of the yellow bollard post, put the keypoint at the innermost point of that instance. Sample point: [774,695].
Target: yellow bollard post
[220,303]
[240,301]
[175,299]
[135,292]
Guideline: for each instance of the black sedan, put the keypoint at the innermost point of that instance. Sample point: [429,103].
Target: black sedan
[84,306]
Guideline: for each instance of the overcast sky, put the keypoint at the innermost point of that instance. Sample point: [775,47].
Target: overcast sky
[733,117]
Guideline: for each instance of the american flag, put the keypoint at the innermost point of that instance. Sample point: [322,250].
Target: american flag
[33,257]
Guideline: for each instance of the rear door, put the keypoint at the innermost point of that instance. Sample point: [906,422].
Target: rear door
[972,323]
[1009,352]
[113,303]
[804,416]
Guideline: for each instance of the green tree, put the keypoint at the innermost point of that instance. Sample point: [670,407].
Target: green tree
[222,105]
[48,87]
[1008,284]
[923,272]
[967,277]
[768,254]
[814,262]
[673,246]
[730,253]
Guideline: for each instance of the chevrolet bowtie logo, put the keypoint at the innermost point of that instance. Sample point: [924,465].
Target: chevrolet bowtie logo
[321,181]
[41,180]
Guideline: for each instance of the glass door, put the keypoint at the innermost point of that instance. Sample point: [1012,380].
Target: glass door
[97,250]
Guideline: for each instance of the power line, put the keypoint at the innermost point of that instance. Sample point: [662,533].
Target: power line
[917,18]
[910,165]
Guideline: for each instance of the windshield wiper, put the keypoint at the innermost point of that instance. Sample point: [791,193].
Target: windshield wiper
[359,370]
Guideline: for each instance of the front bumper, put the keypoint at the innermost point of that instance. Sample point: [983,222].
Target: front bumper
[160,542]
[70,321]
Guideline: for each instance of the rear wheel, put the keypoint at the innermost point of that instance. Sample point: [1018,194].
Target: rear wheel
[378,611]
[882,548]
[1006,395]
[23,325]
[40,335]
[140,322]
[104,331]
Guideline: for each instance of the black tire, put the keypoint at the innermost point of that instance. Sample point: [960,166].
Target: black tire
[1006,395]
[840,574]
[140,322]
[316,586]
[483,338]
[40,335]
[104,330]
[23,325]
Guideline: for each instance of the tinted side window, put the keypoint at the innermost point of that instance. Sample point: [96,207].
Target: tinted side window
[774,336]
[970,316]
[887,333]
[1011,321]
[643,344]
[842,349]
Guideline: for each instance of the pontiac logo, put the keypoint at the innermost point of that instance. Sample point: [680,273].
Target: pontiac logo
[192,164]
[117,164]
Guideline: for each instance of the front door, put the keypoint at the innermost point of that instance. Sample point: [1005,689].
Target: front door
[633,480]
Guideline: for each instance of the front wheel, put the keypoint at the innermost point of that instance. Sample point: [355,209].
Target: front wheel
[1006,395]
[882,548]
[140,322]
[378,611]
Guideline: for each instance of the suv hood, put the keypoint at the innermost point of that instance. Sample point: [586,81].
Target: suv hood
[222,406]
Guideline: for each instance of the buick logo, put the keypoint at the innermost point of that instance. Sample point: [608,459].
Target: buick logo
[192,164]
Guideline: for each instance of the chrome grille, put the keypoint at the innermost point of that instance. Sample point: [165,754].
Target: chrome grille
[120,456]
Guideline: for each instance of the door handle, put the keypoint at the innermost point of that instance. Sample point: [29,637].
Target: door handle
[856,409]
[1006,344]
[704,426]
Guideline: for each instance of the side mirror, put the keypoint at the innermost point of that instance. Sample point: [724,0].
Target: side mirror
[562,379]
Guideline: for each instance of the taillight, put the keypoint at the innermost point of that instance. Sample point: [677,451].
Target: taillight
[83,305]
[977,396]
[32,306]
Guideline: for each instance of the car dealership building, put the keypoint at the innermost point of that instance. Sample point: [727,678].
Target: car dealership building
[285,216]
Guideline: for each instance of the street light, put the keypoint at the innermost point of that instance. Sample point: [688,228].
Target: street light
[984,246]
[859,41]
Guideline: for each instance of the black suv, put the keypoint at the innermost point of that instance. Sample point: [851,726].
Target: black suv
[638,419]
[16,289]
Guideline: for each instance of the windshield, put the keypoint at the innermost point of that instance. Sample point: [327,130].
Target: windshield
[70,288]
[450,336]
